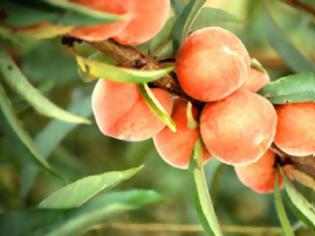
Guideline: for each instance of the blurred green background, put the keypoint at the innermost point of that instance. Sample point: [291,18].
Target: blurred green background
[85,151]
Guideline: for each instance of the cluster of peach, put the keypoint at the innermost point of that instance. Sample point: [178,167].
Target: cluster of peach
[236,125]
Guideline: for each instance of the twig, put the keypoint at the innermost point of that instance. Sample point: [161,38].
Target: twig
[301,5]
[184,228]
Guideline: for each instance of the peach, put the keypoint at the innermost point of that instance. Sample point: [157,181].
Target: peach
[211,64]
[255,80]
[260,176]
[295,133]
[176,148]
[121,112]
[239,129]
[148,19]
[103,31]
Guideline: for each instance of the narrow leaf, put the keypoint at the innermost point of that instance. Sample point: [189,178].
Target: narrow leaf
[209,16]
[101,70]
[184,22]
[292,88]
[156,107]
[50,137]
[101,208]
[302,205]
[82,190]
[9,114]
[192,123]
[202,197]
[281,211]
[178,6]
[31,12]
[104,17]
[17,81]
[163,37]
[279,41]
[33,221]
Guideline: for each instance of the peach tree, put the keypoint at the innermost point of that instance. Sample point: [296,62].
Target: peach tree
[173,72]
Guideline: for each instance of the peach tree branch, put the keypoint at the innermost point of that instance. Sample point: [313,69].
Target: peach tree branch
[130,57]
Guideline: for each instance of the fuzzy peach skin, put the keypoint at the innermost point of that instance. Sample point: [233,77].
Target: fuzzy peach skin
[107,30]
[176,148]
[211,64]
[239,129]
[260,176]
[255,80]
[295,133]
[149,16]
[121,112]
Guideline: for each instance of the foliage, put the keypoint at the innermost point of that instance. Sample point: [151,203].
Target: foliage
[37,74]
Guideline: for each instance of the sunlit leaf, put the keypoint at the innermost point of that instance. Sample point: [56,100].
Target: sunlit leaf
[156,107]
[282,215]
[209,16]
[17,81]
[202,199]
[9,114]
[292,88]
[279,41]
[192,123]
[184,21]
[79,192]
[118,74]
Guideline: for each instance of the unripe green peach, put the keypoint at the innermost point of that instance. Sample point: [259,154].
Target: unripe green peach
[211,64]
[260,175]
[148,18]
[255,80]
[121,112]
[240,128]
[295,133]
[104,31]
[176,148]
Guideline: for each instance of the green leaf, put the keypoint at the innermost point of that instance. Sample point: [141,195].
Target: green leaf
[156,107]
[192,123]
[302,206]
[163,37]
[292,88]
[32,222]
[209,16]
[202,197]
[178,6]
[185,20]
[101,70]
[17,81]
[281,211]
[9,114]
[279,41]
[77,193]
[30,12]
[50,137]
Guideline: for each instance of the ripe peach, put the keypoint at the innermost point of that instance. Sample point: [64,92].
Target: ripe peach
[295,133]
[255,80]
[103,31]
[176,148]
[260,175]
[148,19]
[211,64]
[121,112]
[240,128]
